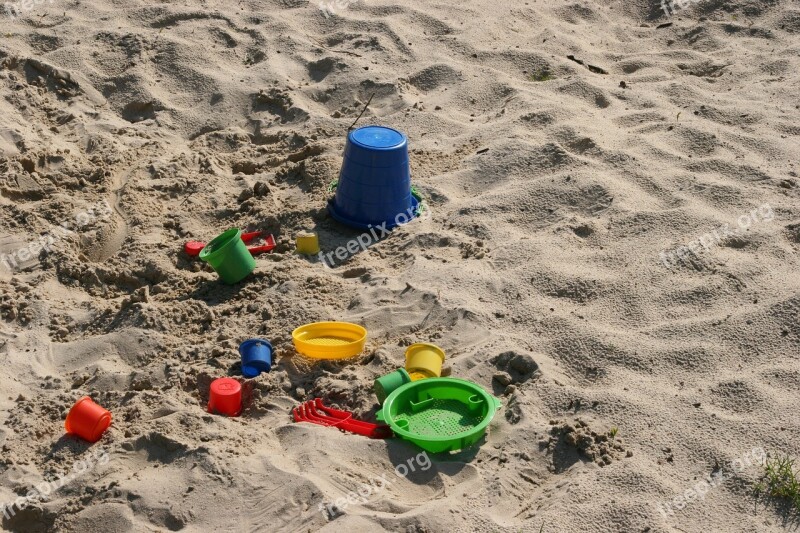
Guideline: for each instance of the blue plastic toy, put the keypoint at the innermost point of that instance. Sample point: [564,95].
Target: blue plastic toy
[256,357]
[374,187]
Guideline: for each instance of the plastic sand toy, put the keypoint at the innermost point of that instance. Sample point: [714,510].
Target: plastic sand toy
[439,414]
[256,357]
[374,186]
[424,361]
[315,412]
[228,256]
[330,340]
[225,397]
[385,385]
[307,243]
[87,420]
[193,248]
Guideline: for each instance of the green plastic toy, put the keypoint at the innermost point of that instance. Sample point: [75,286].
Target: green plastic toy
[387,384]
[439,414]
[229,257]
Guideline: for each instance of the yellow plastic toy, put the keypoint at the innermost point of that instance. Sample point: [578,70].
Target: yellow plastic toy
[330,340]
[307,244]
[424,361]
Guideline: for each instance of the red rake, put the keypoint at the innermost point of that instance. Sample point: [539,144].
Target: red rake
[315,412]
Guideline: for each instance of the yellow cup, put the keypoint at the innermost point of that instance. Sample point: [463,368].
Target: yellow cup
[424,361]
[308,243]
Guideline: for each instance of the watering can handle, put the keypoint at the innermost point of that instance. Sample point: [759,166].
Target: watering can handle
[497,403]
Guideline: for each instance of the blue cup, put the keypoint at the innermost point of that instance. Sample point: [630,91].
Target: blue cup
[256,357]
[375,181]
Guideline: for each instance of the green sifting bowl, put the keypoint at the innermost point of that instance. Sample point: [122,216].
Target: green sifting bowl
[439,414]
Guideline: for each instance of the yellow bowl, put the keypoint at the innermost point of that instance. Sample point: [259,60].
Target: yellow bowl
[330,340]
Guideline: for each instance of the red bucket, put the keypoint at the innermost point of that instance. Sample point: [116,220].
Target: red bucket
[225,397]
[87,420]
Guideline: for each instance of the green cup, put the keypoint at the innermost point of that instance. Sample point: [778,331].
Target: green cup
[229,257]
[387,384]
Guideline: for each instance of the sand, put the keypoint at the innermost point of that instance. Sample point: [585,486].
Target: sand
[565,152]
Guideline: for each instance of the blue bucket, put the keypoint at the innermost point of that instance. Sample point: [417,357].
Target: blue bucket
[375,181]
[256,357]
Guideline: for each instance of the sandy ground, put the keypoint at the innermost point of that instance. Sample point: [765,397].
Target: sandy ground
[561,148]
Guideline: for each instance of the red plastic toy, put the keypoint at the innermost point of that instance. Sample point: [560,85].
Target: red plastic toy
[225,397]
[315,412]
[193,248]
[87,420]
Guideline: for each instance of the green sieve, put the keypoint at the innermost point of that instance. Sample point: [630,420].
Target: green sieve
[439,414]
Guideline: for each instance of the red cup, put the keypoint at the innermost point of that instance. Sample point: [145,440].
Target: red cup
[225,397]
[87,420]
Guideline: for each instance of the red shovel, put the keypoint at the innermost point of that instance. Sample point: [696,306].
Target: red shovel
[315,412]
[193,248]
